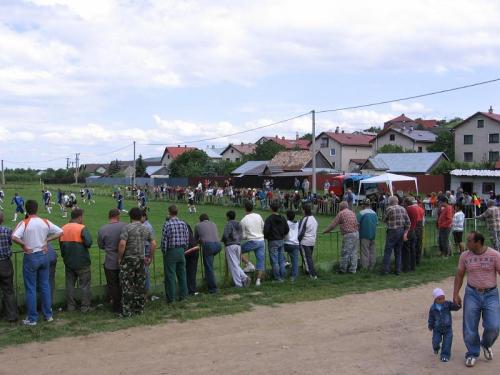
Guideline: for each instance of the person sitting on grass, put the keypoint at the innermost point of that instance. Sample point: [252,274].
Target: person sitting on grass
[440,323]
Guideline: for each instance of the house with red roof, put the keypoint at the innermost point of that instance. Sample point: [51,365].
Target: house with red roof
[236,152]
[171,153]
[477,138]
[341,148]
[404,121]
[408,138]
[288,144]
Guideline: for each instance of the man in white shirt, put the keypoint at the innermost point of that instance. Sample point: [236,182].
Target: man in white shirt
[33,234]
[252,226]
[457,228]
[308,227]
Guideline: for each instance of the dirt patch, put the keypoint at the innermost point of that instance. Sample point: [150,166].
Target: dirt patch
[381,332]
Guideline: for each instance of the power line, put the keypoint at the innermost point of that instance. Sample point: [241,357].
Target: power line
[411,97]
[109,152]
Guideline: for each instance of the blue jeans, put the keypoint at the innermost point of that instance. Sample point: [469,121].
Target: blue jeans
[444,336]
[259,248]
[277,258]
[209,248]
[293,251]
[475,305]
[393,241]
[36,269]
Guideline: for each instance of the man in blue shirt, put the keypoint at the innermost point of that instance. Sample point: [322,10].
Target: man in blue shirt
[19,201]
[367,219]
[7,273]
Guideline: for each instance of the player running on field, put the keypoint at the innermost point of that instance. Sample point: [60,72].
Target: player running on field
[19,202]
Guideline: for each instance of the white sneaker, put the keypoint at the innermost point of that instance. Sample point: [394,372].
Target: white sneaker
[29,323]
[249,268]
[488,353]
[257,282]
[50,319]
[470,361]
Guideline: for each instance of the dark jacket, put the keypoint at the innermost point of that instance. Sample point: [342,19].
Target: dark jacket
[441,319]
[233,233]
[75,243]
[275,228]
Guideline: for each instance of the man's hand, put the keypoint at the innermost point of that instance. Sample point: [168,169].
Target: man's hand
[27,250]
[430,328]
[147,261]
[45,248]
[405,237]
[457,300]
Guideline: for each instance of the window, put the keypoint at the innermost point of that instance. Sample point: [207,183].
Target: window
[419,148]
[228,159]
[494,138]
[468,156]
[488,186]
[468,139]
[480,123]
[237,159]
[332,152]
[324,142]
[392,137]
[333,165]
[493,156]
[232,151]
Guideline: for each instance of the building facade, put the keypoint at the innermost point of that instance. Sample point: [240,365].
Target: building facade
[407,138]
[235,153]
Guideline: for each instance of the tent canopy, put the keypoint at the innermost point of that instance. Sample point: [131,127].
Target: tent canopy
[388,179]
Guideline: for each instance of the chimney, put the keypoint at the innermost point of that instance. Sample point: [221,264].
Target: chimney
[337,130]
[342,131]
[297,136]
[178,146]
[185,146]
[242,143]
[276,136]
[283,138]
[490,110]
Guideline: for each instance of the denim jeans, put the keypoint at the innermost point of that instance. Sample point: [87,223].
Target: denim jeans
[277,258]
[393,242]
[293,252]
[259,248]
[36,274]
[475,305]
[442,338]
[208,263]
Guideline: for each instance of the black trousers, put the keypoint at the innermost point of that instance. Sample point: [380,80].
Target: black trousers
[191,270]
[9,305]
[408,256]
[419,244]
[114,289]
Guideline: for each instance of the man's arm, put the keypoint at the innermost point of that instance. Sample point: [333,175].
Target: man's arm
[459,280]
[100,240]
[430,321]
[121,250]
[86,237]
[332,226]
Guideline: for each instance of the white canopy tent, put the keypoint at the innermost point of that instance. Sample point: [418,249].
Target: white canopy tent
[388,179]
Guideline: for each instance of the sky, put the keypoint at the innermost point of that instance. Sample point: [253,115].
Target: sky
[92,76]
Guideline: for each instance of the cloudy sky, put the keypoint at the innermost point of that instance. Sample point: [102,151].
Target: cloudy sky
[90,76]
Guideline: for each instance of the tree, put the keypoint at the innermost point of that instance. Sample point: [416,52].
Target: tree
[267,150]
[190,163]
[392,149]
[373,129]
[307,136]
[140,167]
[114,168]
[444,143]
[445,166]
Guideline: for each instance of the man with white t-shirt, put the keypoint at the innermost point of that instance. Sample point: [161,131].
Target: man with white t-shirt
[252,227]
[33,234]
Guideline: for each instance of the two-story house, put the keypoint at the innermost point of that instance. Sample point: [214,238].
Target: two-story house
[171,153]
[477,138]
[340,148]
[407,138]
[237,152]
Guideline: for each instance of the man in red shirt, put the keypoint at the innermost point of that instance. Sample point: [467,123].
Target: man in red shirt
[419,231]
[445,219]
[409,254]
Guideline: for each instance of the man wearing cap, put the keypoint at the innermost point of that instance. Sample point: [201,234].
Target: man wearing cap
[482,265]
[367,219]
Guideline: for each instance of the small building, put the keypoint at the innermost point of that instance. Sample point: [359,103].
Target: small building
[251,168]
[477,138]
[157,171]
[95,169]
[407,138]
[236,153]
[289,144]
[340,148]
[295,161]
[412,163]
[480,181]
[171,153]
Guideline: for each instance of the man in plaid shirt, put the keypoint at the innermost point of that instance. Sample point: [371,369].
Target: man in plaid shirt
[174,241]
[349,228]
[7,272]
[398,224]
[492,217]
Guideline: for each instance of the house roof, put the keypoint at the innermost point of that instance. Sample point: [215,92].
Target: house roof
[400,118]
[350,139]
[91,168]
[415,135]
[251,168]
[244,148]
[409,162]
[152,160]
[212,154]
[290,160]
[289,144]
[156,169]
[492,116]
[176,151]
[475,172]
[357,161]
[427,124]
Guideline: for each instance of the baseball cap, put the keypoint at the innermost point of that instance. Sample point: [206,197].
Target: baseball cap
[438,292]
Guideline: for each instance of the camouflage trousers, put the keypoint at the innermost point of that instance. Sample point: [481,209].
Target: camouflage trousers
[349,253]
[133,284]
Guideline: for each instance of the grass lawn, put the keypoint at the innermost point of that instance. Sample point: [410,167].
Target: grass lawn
[229,300]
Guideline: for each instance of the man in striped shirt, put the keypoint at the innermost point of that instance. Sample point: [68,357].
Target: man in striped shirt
[398,224]
[349,228]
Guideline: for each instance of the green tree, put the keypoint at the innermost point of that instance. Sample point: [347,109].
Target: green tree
[373,129]
[391,149]
[114,168]
[140,167]
[307,136]
[267,151]
[190,163]
[444,143]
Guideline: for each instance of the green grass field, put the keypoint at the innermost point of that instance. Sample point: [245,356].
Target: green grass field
[326,253]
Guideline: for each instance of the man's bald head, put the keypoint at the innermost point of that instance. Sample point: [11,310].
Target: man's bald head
[343,205]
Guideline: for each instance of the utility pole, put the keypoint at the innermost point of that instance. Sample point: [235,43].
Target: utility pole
[77,166]
[3,175]
[67,163]
[313,149]
[133,176]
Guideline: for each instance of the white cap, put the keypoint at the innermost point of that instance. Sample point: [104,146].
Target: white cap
[438,292]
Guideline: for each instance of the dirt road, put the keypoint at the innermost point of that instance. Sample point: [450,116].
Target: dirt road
[375,333]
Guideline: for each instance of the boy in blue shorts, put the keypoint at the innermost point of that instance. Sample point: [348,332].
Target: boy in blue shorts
[19,202]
